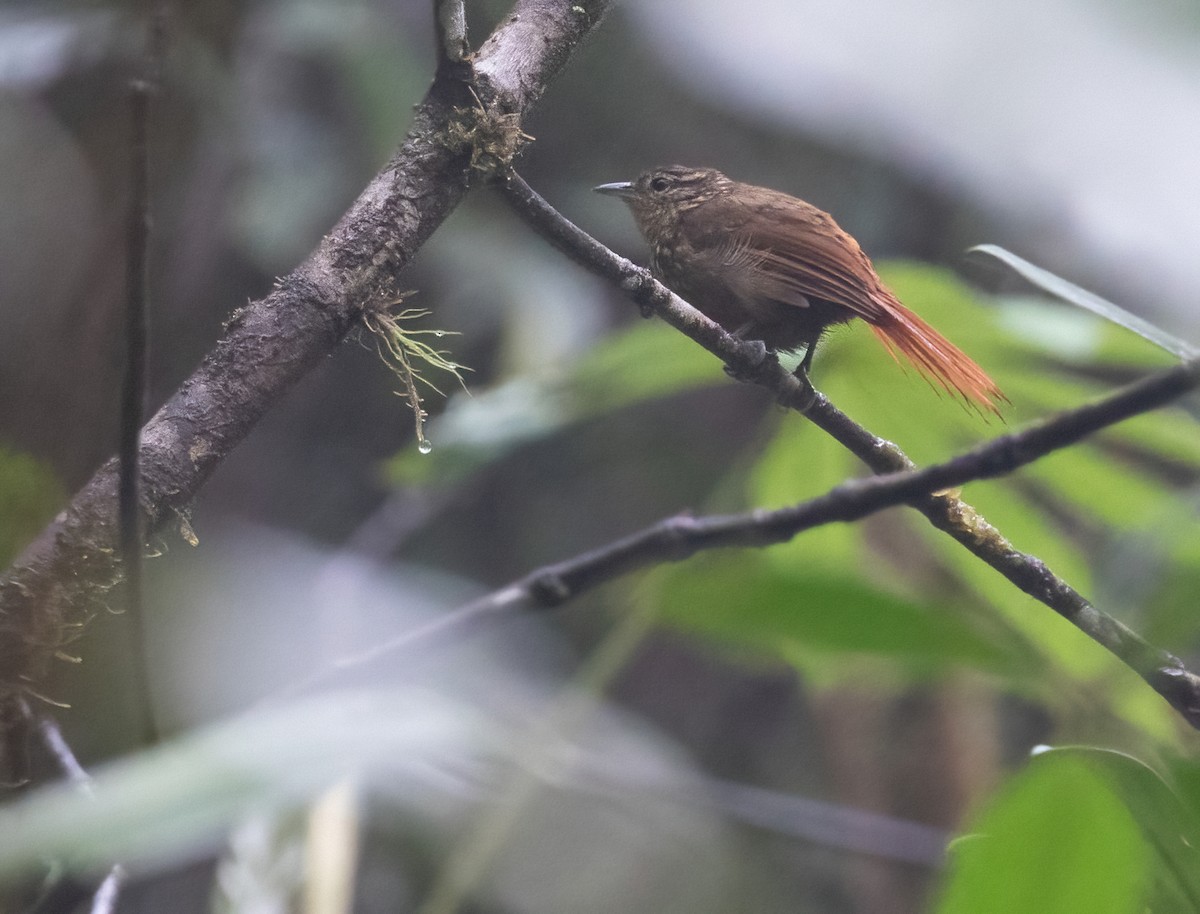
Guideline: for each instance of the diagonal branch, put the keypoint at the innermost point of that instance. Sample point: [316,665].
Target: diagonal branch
[271,343]
[1163,672]
[678,538]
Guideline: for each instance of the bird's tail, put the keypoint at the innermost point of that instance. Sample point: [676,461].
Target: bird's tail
[934,356]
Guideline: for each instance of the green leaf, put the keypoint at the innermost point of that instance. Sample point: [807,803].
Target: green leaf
[1152,569]
[1056,839]
[1099,487]
[800,462]
[747,602]
[650,360]
[1069,292]
[174,802]
[30,494]
[1170,828]
[1028,529]
[1184,773]
[1073,336]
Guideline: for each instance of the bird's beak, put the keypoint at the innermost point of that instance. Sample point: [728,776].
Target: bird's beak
[619,189]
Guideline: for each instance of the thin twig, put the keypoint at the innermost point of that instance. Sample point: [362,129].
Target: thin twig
[681,537]
[108,893]
[142,88]
[1163,672]
[58,747]
[832,825]
[133,388]
[450,23]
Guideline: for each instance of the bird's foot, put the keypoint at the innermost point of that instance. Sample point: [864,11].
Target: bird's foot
[755,355]
[803,398]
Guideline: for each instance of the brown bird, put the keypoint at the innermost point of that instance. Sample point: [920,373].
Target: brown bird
[768,266]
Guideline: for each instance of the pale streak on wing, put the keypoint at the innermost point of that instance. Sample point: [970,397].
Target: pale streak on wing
[808,253]
[815,276]
[746,274]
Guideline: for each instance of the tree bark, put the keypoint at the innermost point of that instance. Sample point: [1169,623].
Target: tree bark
[270,344]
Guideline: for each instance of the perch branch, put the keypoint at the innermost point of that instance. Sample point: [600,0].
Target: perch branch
[681,537]
[1162,671]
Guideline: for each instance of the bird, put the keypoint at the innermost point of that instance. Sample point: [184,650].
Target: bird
[771,267]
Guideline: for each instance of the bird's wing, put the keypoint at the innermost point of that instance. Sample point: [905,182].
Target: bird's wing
[743,269]
[793,252]
[800,254]
[808,254]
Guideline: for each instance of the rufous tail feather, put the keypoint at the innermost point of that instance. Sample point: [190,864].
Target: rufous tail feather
[934,356]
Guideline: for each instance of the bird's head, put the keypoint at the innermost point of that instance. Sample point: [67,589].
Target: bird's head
[660,196]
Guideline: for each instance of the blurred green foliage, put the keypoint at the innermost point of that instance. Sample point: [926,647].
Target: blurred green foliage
[1082,830]
[305,104]
[888,602]
[29,495]
[1058,839]
[1070,509]
[178,799]
[830,625]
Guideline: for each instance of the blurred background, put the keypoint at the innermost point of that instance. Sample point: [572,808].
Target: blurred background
[708,736]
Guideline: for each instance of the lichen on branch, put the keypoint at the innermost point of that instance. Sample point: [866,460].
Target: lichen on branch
[402,350]
[493,137]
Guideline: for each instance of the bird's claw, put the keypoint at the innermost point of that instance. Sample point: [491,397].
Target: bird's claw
[754,355]
[802,399]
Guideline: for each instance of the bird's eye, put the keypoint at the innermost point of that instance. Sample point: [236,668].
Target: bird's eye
[659,184]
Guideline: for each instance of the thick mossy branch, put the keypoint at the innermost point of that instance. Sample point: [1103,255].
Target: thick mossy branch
[272,343]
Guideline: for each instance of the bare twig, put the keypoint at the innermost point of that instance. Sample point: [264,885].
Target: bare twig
[133,388]
[450,21]
[948,513]
[272,343]
[827,824]
[58,747]
[142,88]
[107,894]
[681,537]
